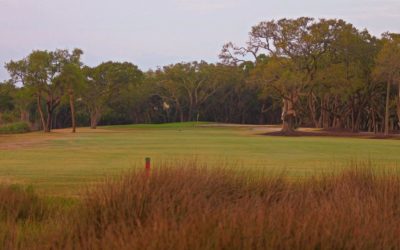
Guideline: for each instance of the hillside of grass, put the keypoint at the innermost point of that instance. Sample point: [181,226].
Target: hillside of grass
[62,163]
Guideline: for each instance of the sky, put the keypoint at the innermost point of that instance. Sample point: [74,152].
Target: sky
[153,33]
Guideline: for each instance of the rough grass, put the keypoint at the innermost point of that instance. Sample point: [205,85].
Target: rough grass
[26,217]
[193,207]
[60,163]
[15,128]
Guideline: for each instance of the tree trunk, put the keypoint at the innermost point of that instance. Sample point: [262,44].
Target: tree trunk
[93,122]
[337,122]
[355,115]
[24,115]
[313,109]
[357,122]
[261,119]
[288,125]
[190,112]
[50,109]
[72,107]
[180,112]
[49,120]
[39,107]
[374,122]
[94,116]
[398,106]
[324,112]
[387,108]
[288,117]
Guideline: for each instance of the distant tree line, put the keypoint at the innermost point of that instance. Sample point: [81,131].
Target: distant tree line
[299,72]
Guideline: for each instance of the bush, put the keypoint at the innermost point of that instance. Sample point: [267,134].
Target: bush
[15,128]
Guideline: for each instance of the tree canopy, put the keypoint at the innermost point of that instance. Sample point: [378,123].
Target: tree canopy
[322,73]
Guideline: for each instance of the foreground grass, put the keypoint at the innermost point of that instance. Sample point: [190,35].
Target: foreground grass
[192,207]
[60,163]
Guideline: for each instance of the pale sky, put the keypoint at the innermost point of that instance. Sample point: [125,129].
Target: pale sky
[158,32]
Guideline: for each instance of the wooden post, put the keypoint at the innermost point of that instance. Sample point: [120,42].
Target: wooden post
[147,165]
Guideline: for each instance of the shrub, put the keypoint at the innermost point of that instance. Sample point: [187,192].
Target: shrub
[15,128]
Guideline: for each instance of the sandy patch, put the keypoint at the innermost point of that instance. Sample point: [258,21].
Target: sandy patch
[275,130]
[333,133]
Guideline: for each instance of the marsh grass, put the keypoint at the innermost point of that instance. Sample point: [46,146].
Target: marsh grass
[196,207]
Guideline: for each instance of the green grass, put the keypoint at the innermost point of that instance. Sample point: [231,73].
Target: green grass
[62,162]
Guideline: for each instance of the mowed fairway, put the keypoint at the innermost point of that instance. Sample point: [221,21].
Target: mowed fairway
[62,163]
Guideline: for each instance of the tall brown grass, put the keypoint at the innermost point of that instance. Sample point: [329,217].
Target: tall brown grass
[191,207]
[20,210]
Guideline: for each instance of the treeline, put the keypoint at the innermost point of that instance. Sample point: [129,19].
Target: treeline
[299,72]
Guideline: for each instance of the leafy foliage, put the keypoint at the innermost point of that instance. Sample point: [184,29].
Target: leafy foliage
[15,128]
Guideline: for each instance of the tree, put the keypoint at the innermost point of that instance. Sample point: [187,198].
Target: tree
[280,76]
[6,98]
[37,71]
[105,83]
[71,79]
[388,70]
[189,84]
[297,44]
[168,90]
[23,100]
[288,42]
[342,83]
[308,51]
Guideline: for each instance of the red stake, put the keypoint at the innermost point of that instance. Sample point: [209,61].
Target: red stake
[147,166]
